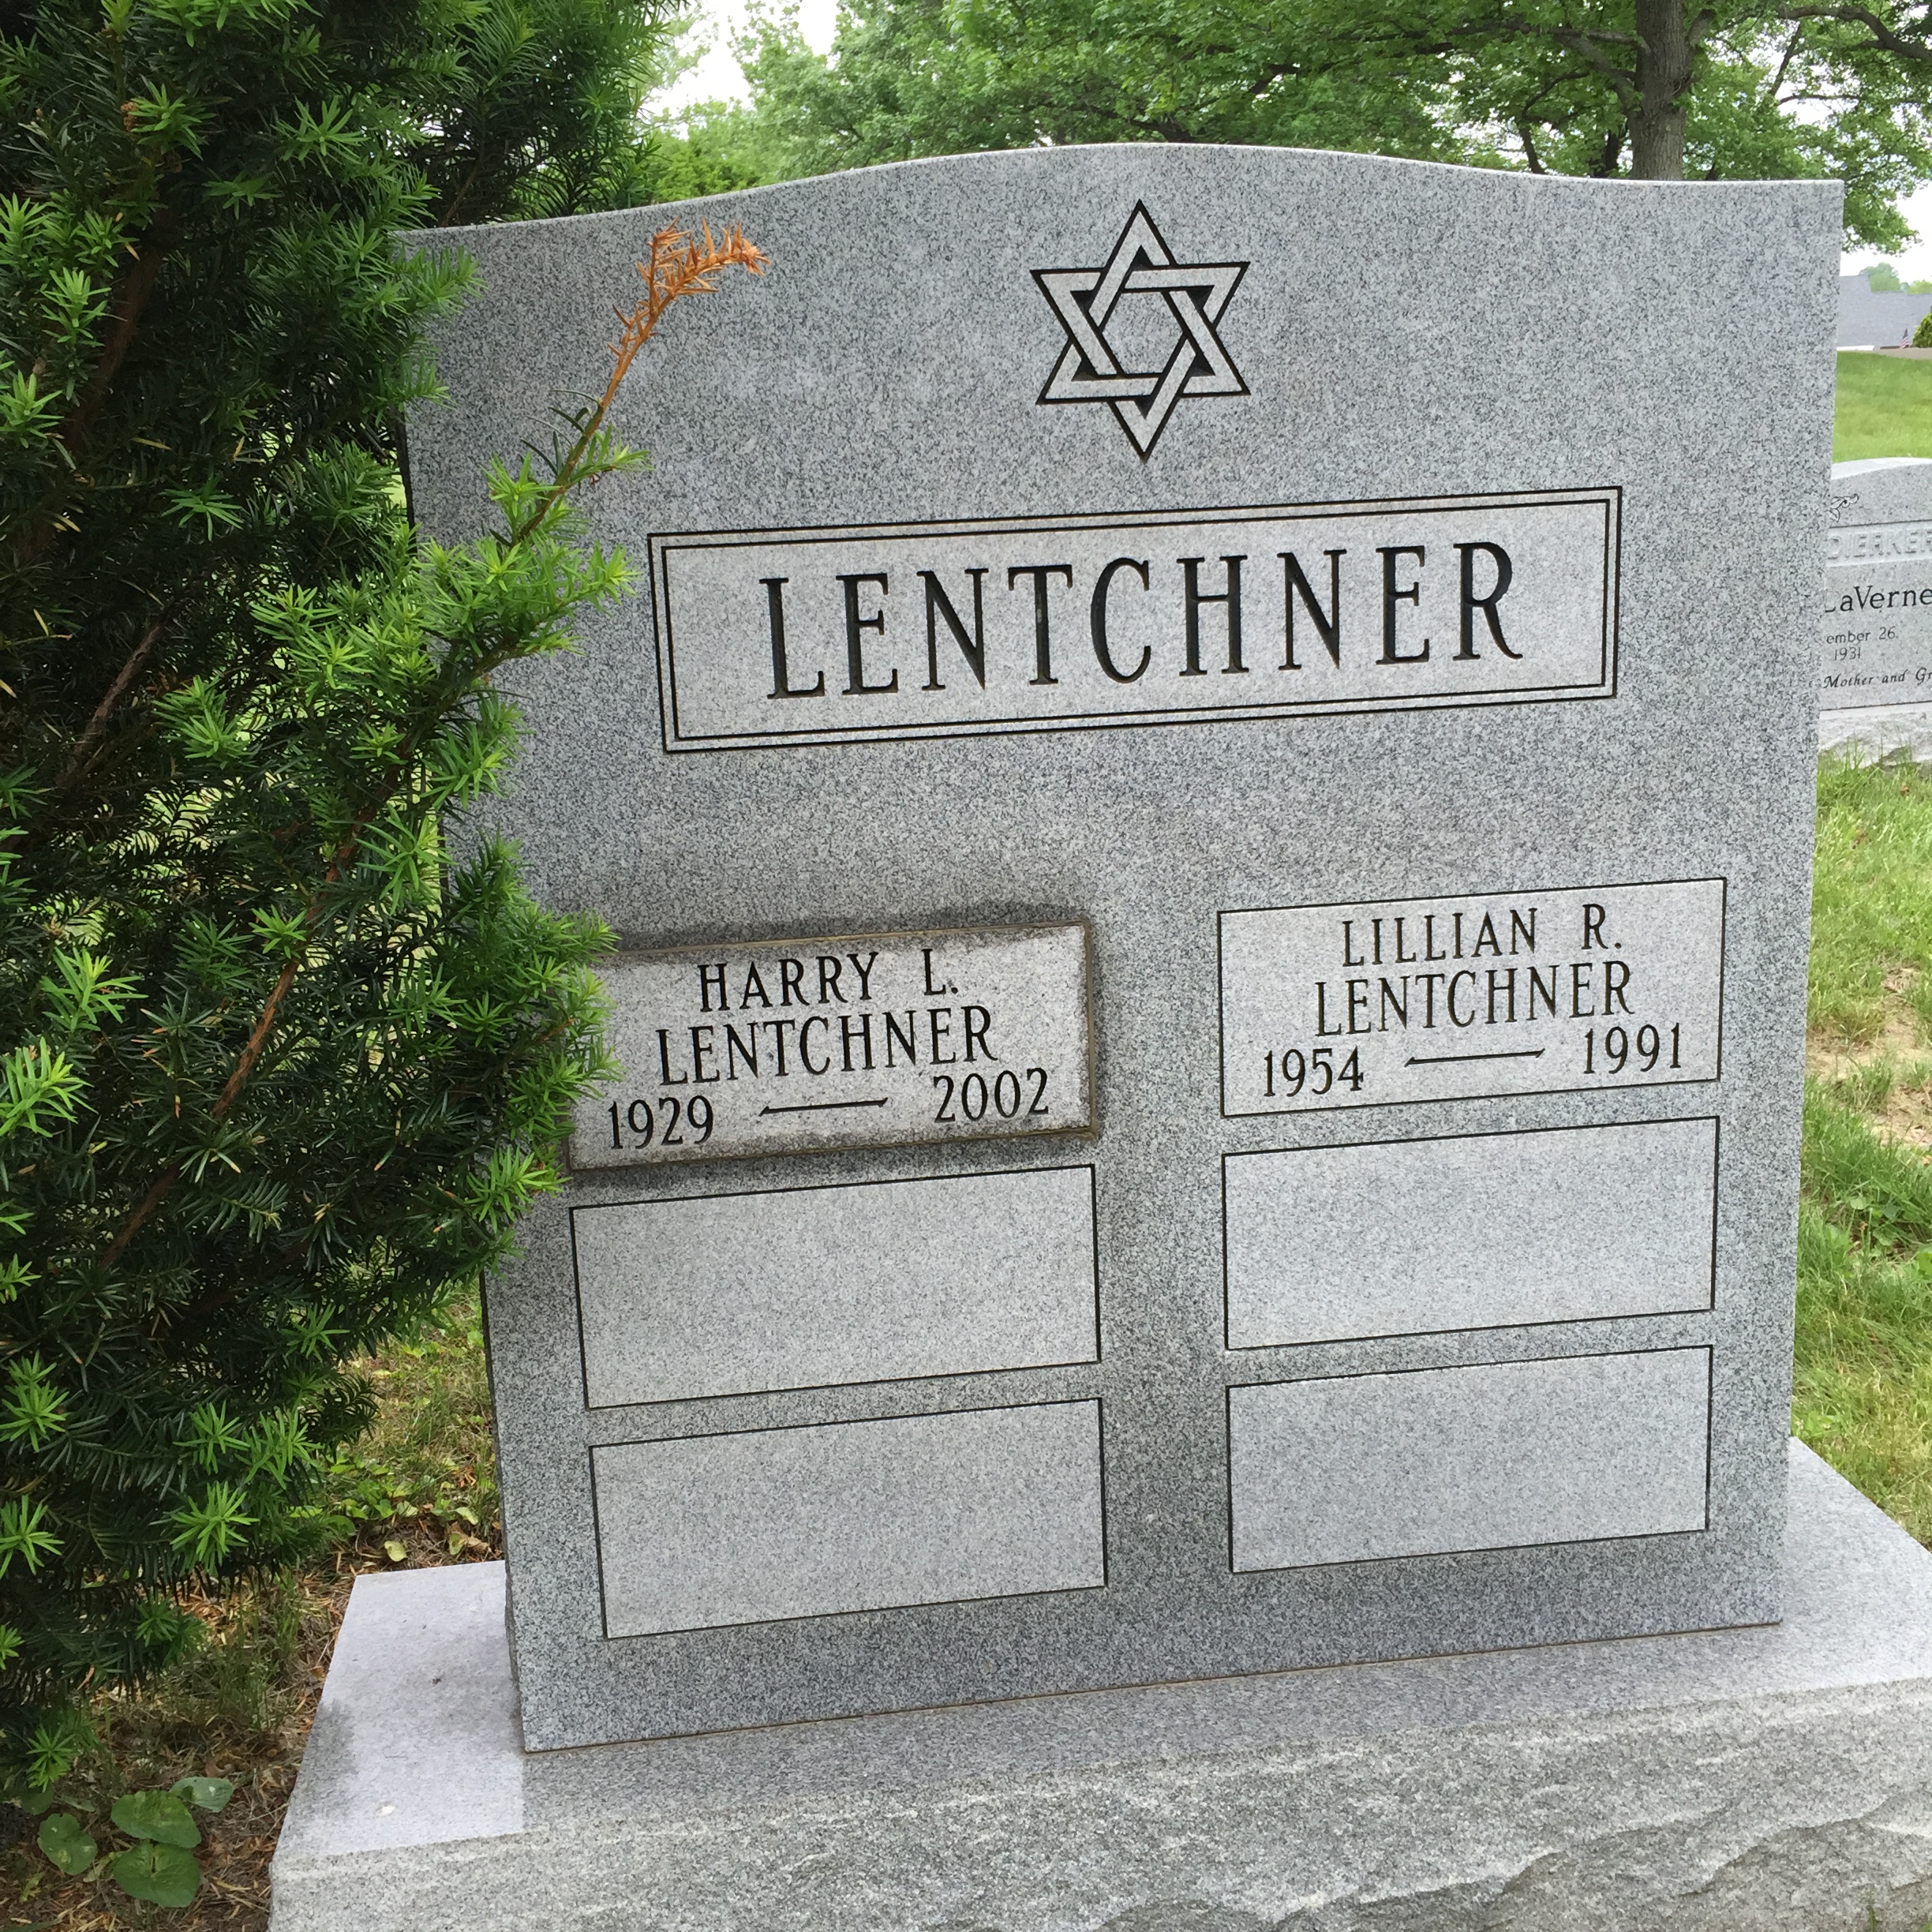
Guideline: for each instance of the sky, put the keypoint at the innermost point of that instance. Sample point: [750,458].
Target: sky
[716,78]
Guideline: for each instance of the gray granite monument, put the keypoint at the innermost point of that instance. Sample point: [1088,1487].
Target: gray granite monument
[1875,670]
[1214,898]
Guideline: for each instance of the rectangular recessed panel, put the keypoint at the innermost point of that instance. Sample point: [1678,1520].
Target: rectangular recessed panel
[713,1530]
[1478,1231]
[727,1294]
[870,1039]
[1370,1003]
[1032,623]
[1346,1468]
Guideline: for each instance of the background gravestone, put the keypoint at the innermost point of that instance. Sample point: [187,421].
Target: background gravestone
[1214,894]
[1875,668]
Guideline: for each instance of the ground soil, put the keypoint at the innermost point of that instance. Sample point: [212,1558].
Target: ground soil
[262,1764]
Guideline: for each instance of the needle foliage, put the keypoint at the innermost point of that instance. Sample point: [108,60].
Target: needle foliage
[282,1052]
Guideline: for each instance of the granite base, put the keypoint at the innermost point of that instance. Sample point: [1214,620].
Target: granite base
[1777,1778]
[1875,731]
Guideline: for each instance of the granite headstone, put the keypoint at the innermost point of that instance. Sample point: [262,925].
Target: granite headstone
[1206,793]
[1875,671]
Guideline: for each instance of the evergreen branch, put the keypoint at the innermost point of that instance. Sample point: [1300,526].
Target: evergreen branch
[485,159]
[85,744]
[129,300]
[678,266]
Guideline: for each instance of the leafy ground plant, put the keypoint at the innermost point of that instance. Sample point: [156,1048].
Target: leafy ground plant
[157,1863]
[422,1484]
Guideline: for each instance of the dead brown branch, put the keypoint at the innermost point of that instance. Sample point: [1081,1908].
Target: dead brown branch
[680,265]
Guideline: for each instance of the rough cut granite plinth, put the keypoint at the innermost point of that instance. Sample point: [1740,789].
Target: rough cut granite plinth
[1774,1777]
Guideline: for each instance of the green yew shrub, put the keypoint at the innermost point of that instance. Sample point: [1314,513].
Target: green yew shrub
[284,1046]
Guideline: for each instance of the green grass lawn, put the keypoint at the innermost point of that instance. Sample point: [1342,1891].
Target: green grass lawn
[1885,408]
[1863,1392]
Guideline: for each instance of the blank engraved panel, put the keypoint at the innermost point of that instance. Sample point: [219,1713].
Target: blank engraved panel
[712,1530]
[728,1293]
[1407,1237]
[1346,1468]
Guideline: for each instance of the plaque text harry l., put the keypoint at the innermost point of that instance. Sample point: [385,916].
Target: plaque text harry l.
[777,1048]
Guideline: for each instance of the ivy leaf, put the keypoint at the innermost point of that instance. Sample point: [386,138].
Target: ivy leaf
[207,1794]
[161,1874]
[62,1840]
[158,1815]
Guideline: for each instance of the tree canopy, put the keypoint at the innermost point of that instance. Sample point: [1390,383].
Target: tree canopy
[1653,89]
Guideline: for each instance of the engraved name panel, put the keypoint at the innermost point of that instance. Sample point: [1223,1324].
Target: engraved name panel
[1876,643]
[1371,1003]
[1030,623]
[864,1040]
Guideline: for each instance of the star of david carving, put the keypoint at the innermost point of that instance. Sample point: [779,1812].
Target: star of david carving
[1090,370]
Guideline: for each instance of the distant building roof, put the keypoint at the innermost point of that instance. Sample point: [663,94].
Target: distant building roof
[1869,318]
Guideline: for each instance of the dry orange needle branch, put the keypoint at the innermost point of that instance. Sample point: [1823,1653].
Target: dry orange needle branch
[680,264]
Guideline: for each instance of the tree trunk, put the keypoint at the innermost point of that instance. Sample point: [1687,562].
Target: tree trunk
[1665,58]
